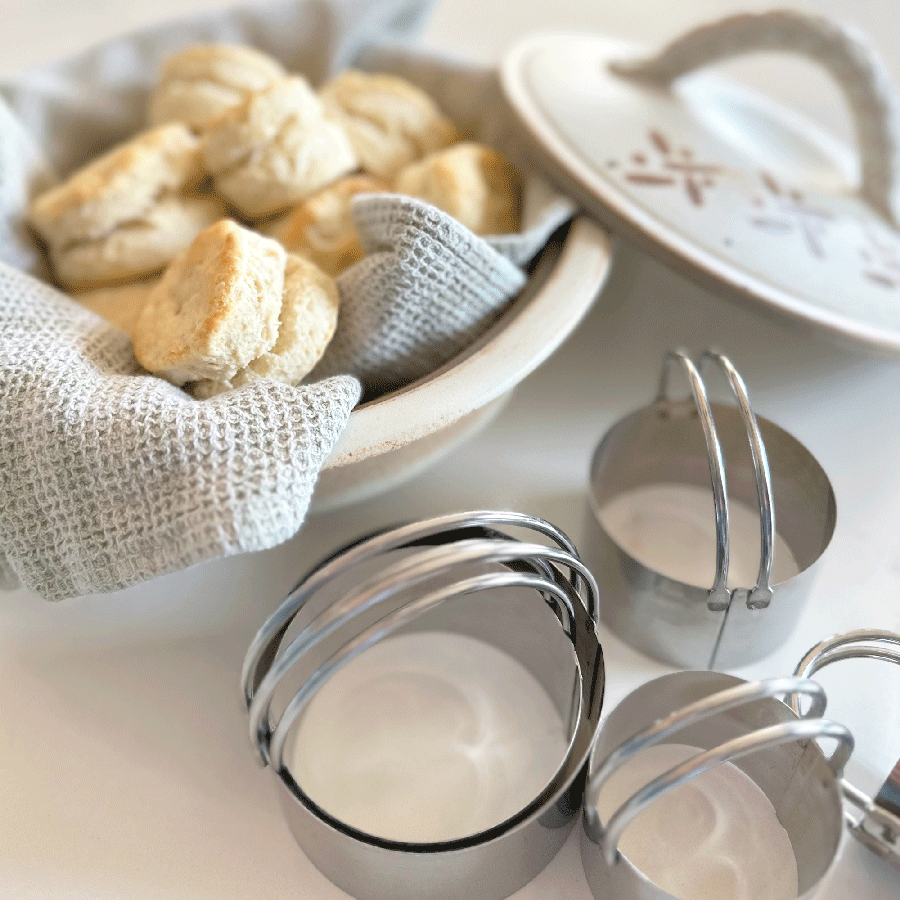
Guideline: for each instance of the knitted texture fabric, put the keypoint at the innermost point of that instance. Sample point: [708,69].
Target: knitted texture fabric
[425,290]
[111,476]
[407,309]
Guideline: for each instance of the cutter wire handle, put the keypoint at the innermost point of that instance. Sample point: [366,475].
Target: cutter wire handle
[879,825]
[684,717]
[423,566]
[764,738]
[390,623]
[264,645]
[719,597]
[761,595]
[408,572]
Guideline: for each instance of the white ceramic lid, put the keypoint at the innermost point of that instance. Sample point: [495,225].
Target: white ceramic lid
[723,184]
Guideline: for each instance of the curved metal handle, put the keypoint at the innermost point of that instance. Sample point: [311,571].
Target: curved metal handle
[688,715]
[786,732]
[262,649]
[386,626]
[761,595]
[879,826]
[844,54]
[719,597]
[402,574]
[861,644]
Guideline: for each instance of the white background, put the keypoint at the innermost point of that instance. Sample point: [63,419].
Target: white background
[125,771]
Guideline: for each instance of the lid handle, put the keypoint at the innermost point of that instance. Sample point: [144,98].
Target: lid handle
[839,49]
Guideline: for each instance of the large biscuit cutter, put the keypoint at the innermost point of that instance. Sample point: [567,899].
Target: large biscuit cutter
[454,556]
[878,826]
[682,624]
[729,720]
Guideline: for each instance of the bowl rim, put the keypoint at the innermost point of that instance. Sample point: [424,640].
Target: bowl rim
[559,294]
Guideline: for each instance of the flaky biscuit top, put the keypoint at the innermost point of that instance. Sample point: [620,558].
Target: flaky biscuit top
[390,121]
[121,185]
[215,309]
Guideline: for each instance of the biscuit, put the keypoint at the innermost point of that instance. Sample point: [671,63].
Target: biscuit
[216,307]
[275,149]
[120,305]
[390,122]
[476,185]
[309,313]
[119,186]
[200,83]
[321,228]
[140,246]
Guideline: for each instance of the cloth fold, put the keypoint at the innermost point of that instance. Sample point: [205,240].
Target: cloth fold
[426,288]
[114,476]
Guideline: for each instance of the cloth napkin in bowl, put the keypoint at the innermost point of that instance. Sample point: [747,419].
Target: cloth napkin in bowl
[111,476]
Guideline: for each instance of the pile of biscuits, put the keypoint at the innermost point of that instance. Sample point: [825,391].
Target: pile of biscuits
[214,237]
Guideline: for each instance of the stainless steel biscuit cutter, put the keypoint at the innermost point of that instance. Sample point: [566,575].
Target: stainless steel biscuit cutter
[878,826]
[683,624]
[728,719]
[404,578]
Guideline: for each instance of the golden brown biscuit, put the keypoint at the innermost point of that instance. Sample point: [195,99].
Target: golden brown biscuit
[309,313]
[321,228]
[476,185]
[200,83]
[216,307]
[141,246]
[390,122]
[126,213]
[275,149]
[118,186]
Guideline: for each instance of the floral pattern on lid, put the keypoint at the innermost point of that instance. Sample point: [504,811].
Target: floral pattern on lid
[715,179]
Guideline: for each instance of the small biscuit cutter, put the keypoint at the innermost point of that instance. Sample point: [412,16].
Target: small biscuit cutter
[404,578]
[682,624]
[773,742]
[727,719]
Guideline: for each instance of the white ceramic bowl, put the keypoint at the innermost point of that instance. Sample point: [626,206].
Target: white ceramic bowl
[390,439]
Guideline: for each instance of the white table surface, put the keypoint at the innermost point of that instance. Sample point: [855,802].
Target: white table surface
[125,771]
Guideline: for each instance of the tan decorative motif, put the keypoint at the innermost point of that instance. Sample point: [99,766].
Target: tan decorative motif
[881,261]
[791,214]
[777,209]
[671,167]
